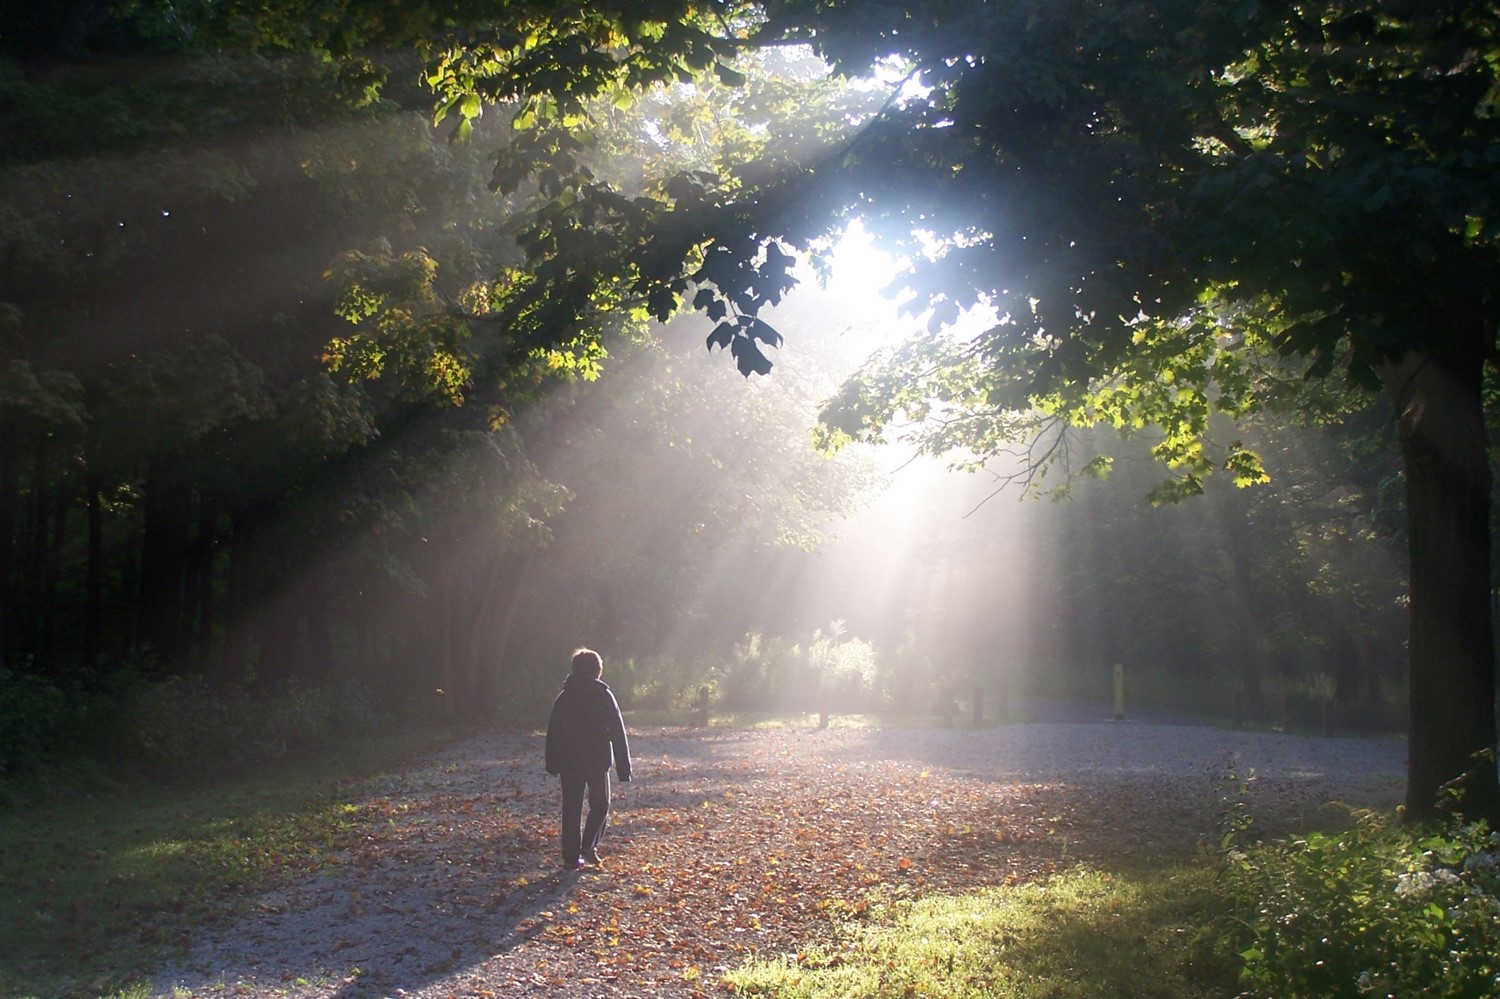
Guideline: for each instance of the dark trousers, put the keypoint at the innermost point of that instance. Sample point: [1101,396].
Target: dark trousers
[574,787]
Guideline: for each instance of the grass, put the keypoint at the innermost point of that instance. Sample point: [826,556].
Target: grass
[95,892]
[1086,934]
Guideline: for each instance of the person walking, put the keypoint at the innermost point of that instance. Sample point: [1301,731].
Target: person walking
[585,735]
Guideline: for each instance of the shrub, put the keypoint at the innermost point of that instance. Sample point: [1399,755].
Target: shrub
[844,669]
[33,712]
[761,673]
[185,727]
[652,683]
[352,710]
[167,728]
[1377,910]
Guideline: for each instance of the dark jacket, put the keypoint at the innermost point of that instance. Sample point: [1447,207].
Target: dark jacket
[586,732]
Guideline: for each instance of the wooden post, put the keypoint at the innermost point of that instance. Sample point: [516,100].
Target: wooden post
[1119,691]
[703,707]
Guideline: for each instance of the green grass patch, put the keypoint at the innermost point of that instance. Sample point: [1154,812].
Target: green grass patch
[94,892]
[1087,934]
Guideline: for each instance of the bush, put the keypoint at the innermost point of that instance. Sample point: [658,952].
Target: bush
[653,683]
[177,727]
[760,674]
[1378,910]
[33,712]
[182,726]
[768,674]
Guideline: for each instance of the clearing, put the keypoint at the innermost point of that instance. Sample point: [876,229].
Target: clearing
[737,841]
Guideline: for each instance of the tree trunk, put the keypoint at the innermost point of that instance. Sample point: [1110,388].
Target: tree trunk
[480,626]
[163,560]
[1440,420]
[205,556]
[228,665]
[34,562]
[319,607]
[93,613]
[443,590]
[193,604]
[1250,658]
[10,442]
[276,627]
[52,571]
[502,630]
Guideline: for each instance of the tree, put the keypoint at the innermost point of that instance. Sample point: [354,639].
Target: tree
[182,475]
[1145,195]
[1140,214]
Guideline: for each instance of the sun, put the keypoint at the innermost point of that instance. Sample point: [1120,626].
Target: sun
[864,282]
[860,284]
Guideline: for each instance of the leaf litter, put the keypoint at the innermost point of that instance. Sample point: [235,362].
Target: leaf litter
[731,843]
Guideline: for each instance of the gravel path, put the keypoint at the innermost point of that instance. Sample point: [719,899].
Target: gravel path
[735,842]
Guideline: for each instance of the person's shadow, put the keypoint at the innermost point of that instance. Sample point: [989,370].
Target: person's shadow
[518,912]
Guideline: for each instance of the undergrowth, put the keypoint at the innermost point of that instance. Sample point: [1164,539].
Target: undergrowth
[1379,909]
[126,727]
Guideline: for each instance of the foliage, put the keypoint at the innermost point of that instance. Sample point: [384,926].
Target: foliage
[171,728]
[768,673]
[32,711]
[61,722]
[1378,910]
[841,668]
[290,355]
[758,674]
[179,727]
[658,683]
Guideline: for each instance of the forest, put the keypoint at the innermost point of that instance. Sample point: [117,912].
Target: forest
[353,375]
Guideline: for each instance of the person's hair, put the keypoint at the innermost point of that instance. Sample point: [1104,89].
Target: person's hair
[588,663]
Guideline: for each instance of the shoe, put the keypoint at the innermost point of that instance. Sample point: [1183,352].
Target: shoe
[592,857]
